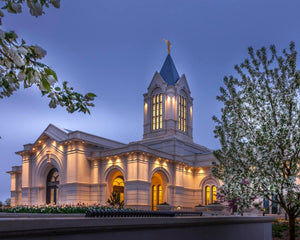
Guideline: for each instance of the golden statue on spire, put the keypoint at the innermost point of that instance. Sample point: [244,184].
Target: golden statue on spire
[169,45]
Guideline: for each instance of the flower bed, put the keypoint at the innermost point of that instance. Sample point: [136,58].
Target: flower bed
[71,208]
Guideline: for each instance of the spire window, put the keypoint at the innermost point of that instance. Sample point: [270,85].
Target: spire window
[182,114]
[157,112]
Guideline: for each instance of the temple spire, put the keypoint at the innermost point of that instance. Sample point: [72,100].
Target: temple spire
[169,72]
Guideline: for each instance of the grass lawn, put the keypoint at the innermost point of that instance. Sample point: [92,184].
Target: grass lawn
[280,230]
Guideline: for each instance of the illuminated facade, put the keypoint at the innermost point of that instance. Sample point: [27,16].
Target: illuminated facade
[65,166]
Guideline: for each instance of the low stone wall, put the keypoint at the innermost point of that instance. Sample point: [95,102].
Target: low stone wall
[158,228]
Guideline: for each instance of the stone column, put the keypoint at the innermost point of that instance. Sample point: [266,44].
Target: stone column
[26,180]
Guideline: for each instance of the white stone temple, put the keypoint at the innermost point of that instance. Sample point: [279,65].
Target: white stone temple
[64,166]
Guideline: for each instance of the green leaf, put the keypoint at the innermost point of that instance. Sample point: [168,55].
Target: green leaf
[57,89]
[91,95]
[49,71]
[45,83]
[10,7]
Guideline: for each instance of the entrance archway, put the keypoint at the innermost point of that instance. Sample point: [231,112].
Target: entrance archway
[158,185]
[52,184]
[116,184]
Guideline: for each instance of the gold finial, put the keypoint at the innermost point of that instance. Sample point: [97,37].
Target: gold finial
[169,45]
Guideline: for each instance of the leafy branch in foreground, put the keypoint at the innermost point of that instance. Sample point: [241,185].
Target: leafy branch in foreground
[20,64]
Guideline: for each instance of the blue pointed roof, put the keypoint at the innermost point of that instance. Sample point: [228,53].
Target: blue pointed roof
[169,72]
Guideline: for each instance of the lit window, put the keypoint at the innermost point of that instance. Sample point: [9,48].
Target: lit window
[157,112]
[160,200]
[182,114]
[207,195]
[214,190]
[154,197]
[157,196]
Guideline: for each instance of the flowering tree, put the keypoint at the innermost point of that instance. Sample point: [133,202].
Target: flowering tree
[259,131]
[20,64]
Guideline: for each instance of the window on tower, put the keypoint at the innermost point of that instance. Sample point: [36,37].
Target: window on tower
[182,114]
[157,111]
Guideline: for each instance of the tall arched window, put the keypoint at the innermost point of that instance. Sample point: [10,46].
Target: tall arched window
[157,111]
[182,114]
[266,205]
[207,195]
[154,197]
[214,191]
[160,197]
[52,186]
[118,187]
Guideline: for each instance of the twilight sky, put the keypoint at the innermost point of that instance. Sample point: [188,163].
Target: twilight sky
[113,48]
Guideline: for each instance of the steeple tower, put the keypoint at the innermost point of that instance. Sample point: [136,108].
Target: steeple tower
[168,105]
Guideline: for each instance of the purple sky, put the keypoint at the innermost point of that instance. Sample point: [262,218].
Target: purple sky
[113,48]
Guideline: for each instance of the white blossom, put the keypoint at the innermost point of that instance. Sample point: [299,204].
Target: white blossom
[51,80]
[8,63]
[41,87]
[35,8]
[18,60]
[22,50]
[40,52]
[13,50]
[21,76]
[17,7]
[36,77]
[10,79]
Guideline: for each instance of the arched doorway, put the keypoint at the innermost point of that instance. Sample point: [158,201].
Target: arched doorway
[115,180]
[157,190]
[52,186]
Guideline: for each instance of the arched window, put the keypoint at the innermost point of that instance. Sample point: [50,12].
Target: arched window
[157,196]
[274,205]
[266,205]
[182,114]
[154,197]
[214,191]
[207,195]
[52,186]
[160,197]
[118,187]
[157,111]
